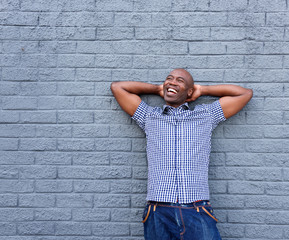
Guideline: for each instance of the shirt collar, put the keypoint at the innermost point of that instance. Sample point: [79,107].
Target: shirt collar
[184,106]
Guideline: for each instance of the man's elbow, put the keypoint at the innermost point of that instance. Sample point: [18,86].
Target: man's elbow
[250,92]
[114,86]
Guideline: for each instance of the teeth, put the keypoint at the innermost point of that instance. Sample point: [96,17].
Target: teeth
[172,90]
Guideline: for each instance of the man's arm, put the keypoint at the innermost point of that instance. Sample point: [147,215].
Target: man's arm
[233,97]
[127,93]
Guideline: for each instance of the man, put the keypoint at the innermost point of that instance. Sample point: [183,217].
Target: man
[178,149]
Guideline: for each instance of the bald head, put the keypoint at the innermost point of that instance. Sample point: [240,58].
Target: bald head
[186,75]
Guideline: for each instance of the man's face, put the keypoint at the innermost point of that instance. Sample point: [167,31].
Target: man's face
[178,86]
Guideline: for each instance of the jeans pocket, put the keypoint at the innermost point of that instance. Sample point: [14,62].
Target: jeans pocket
[146,213]
[209,212]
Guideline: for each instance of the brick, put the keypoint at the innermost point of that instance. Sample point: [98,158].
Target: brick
[266,89]
[128,159]
[89,131]
[244,159]
[140,172]
[232,230]
[15,186]
[278,217]
[9,60]
[225,62]
[265,33]
[277,18]
[9,32]
[8,172]
[19,74]
[53,131]
[82,229]
[21,103]
[53,214]
[246,19]
[9,117]
[75,144]
[125,131]
[95,103]
[188,5]
[15,130]
[223,5]
[88,186]
[112,144]
[228,201]
[51,103]
[115,33]
[88,172]
[109,201]
[217,187]
[93,215]
[208,75]
[238,187]
[36,228]
[225,33]
[264,174]
[77,89]
[191,34]
[37,172]
[109,61]
[93,75]
[276,132]
[245,47]
[74,200]
[228,145]
[151,5]
[263,61]
[133,215]
[74,117]
[53,158]
[152,33]
[40,144]
[75,33]
[263,146]
[207,48]
[53,186]
[17,158]
[139,145]
[17,46]
[114,229]
[15,214]
[61,47]
[265,117]
[137,229]
[90,159]
[36,201]
[7,229]
[226,173]
[280,189]
[114,5]
[129,187]
[266,5]
[79,60]
[243,132]
[9,144]
[38,89]
[9,5]
[188,62]
[56,74]
[72,19]
[8,200]
[276,48]
[132,19]
[269,232]
[38,117]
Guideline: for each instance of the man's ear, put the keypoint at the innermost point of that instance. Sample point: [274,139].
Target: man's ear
[190,92]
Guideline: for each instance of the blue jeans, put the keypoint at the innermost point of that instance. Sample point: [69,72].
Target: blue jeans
[174,221]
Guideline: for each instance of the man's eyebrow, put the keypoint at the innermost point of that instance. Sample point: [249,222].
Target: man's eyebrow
[173,76]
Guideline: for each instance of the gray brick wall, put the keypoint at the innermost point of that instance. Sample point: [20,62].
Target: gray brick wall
[73,165]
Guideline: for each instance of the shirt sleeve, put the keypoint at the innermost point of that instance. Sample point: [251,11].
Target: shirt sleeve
[217,113]
[140,114]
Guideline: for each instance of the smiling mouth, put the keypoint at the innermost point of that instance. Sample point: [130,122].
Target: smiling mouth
[172,90]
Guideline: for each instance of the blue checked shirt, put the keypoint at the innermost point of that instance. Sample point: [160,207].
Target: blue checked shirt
[178,149]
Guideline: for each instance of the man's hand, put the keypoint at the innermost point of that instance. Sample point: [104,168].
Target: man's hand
[196,93]
[161,90]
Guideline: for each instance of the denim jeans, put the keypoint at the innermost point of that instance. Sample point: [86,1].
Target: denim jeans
[173,221]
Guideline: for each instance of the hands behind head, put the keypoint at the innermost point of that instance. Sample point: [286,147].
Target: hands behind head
[196,93]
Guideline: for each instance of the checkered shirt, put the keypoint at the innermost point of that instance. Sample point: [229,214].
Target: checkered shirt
[178,149]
